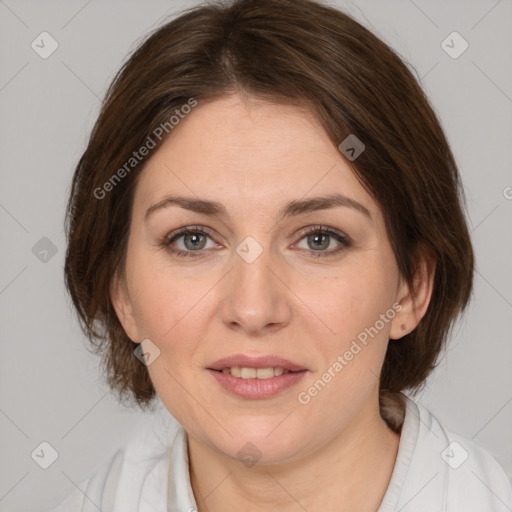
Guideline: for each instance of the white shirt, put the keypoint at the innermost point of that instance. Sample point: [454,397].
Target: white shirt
[435,471]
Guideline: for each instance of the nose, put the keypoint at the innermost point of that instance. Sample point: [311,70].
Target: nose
[256,298]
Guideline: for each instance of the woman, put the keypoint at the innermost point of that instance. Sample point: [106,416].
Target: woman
[266,234]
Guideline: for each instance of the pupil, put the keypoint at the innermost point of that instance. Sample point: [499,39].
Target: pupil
[316,237]
[194,245]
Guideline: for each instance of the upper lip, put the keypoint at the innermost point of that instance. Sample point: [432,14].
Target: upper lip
[267,361]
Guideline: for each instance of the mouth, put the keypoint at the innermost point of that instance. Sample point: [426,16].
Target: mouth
[250,367]
[246,372]
[256,377]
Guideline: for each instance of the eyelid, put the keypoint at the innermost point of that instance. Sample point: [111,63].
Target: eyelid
[344,240]
[302,232]
[323,228]
[198,228]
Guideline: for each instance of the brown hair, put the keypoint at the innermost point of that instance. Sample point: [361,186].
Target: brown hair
[298,52]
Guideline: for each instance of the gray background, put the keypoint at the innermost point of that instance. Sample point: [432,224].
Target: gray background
[50,386]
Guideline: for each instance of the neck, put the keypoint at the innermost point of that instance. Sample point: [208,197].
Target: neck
[365,452]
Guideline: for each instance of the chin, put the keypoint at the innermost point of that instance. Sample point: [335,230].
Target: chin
[252,445]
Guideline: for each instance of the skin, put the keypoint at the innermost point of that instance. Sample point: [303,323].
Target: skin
[254,156]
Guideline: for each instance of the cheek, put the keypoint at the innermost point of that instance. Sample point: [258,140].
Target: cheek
[170,312]
[352,300]
[356,307]
[162,300]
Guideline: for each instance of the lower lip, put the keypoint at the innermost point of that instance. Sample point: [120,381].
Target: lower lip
[257,388]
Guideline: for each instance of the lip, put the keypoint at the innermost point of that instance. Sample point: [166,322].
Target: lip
[266,361]
[257,388]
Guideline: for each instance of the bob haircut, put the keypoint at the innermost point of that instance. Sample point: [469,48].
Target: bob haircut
[296,52]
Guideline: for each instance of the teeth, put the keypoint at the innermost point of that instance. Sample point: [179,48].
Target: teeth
[254,373]
[251,373]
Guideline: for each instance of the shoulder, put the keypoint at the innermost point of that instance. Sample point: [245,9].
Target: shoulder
[135,473]
[73,503]
[475,477]
[98,489]
[466,475]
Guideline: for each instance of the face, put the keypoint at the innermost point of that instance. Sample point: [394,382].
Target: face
[251,279]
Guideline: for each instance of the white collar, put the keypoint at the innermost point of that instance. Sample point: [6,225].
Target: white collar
[151,473]
[171,470]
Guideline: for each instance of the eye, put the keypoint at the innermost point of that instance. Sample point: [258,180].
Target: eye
[319,238]
[194,240]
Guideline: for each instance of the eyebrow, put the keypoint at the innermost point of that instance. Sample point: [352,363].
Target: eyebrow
[291,209]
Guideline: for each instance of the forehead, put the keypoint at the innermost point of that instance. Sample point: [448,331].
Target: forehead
[249,153]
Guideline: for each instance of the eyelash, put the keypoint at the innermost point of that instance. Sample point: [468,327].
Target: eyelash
[313,230]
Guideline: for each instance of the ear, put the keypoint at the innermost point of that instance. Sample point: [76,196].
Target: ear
[121,302]
[414,301]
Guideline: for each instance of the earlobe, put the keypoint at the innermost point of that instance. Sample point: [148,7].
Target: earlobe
[122,305]
[414,301]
